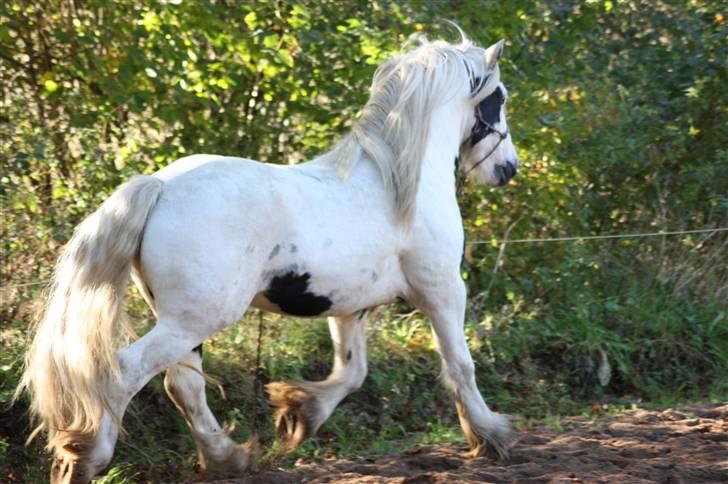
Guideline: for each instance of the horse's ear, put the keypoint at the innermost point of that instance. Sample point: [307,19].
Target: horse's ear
[493,53]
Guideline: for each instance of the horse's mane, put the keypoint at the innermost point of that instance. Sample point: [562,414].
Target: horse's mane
[393,128]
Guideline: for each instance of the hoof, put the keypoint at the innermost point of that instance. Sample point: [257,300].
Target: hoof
[491,438]
[294,417]
[66,471]
[234,464]
[67,467]
[488,449]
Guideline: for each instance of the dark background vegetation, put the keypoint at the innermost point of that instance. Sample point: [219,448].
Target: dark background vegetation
[619,113]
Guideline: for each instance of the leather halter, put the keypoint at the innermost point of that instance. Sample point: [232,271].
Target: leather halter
[479,123]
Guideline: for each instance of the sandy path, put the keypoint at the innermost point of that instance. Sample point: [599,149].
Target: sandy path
[686,445]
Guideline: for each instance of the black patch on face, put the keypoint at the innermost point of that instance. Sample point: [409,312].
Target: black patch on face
[198,349]
[149,291]
[275,251]
[348,355]
[290,292]
[489,111]
[478,84]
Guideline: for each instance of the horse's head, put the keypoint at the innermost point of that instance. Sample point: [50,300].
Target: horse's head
[488,150]
[438,97]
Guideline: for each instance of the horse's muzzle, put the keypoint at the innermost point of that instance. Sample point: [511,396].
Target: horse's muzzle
[504,173]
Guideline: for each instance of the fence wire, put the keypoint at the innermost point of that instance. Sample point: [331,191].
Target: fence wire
[508,241]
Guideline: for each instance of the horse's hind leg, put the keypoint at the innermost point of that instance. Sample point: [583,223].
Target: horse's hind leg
[304,406]
[487,432]
[79,458]
[219,454]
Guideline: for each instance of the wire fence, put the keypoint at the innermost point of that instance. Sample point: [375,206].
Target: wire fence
[598,237]
[507,241]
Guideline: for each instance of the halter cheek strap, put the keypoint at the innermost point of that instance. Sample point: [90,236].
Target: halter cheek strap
[501,136]
[475,87]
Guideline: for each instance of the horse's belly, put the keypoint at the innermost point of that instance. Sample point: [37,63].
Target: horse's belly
[311,293]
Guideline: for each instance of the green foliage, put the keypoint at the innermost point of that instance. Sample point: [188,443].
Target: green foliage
[619,113]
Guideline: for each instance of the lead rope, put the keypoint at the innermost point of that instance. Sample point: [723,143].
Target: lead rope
[258,375]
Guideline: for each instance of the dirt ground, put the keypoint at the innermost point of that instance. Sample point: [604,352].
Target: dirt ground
[684,445]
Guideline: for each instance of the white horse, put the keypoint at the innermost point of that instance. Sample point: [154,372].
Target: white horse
[208,236]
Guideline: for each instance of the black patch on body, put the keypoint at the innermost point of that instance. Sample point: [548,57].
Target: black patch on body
[290,293]
[198,349]
[275,251]
[348,355]
[294,248]
[489,110]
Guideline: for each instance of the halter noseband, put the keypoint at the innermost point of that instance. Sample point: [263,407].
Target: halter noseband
[479,121]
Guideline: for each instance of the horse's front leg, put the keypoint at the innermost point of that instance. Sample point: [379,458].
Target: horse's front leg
[487,432]
[304,406]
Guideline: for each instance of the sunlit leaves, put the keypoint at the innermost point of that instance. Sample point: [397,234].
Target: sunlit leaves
[251,20]
[151,22]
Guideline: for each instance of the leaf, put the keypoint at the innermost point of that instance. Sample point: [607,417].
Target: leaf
[251,20]
[151,21]
[50,86]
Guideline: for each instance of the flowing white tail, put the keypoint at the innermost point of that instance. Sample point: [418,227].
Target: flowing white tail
[73,358]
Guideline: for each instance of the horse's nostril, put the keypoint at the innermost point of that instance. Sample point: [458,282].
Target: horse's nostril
[510,169]
[501,175]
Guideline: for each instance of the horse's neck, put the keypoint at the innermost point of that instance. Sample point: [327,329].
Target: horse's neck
[438,169]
